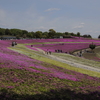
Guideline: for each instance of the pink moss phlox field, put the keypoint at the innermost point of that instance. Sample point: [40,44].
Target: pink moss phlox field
[26,63]
[50,40]
[10,58]
[16,60]
[65,47]
[23,74]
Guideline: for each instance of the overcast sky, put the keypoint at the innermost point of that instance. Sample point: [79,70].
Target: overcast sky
[61,15]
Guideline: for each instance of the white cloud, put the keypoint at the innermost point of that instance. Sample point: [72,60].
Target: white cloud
[90,31]
[52,9]
[96,31]
[81,25]
[78,27]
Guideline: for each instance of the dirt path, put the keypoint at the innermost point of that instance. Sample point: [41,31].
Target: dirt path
[42,53]
[70,62]
[75,64]
[40,50]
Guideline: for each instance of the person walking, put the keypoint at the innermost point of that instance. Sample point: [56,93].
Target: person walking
[50,52]
[13,44]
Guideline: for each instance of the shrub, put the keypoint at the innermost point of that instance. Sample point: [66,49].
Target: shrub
[92,46]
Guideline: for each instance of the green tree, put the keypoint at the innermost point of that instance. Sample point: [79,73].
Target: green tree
[16,32]
[92,46]
[78,34]
[24,35]
[8,32]
[17,36]
[30,35]
[99,37]
[85,36]
[51,33]
[59,34]
[89,36]
[72,34]
[33,34]
[2,31]
[24,32]
[38,34]
[66,33]
[45,34]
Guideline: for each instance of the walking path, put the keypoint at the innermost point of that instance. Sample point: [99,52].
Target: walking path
[75,64]
[70,62]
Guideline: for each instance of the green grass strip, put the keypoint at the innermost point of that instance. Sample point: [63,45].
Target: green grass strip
[22,49]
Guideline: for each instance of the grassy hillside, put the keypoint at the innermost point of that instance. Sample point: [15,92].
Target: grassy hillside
[29,74]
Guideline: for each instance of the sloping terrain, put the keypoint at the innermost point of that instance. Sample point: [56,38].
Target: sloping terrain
[29,74]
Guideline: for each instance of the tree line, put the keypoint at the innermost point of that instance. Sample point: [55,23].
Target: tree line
[51,33]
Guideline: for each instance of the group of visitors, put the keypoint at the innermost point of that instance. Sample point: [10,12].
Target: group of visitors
[58,51]
[48,52]
[14,43]
[79,54]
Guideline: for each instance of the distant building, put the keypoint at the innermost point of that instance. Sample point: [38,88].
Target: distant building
[55,37]
[7,38]
[61,37]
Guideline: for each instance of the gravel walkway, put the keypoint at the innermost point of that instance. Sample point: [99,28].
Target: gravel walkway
[70,62]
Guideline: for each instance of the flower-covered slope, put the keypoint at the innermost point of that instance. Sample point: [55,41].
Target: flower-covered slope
[65,47]
[22,78]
